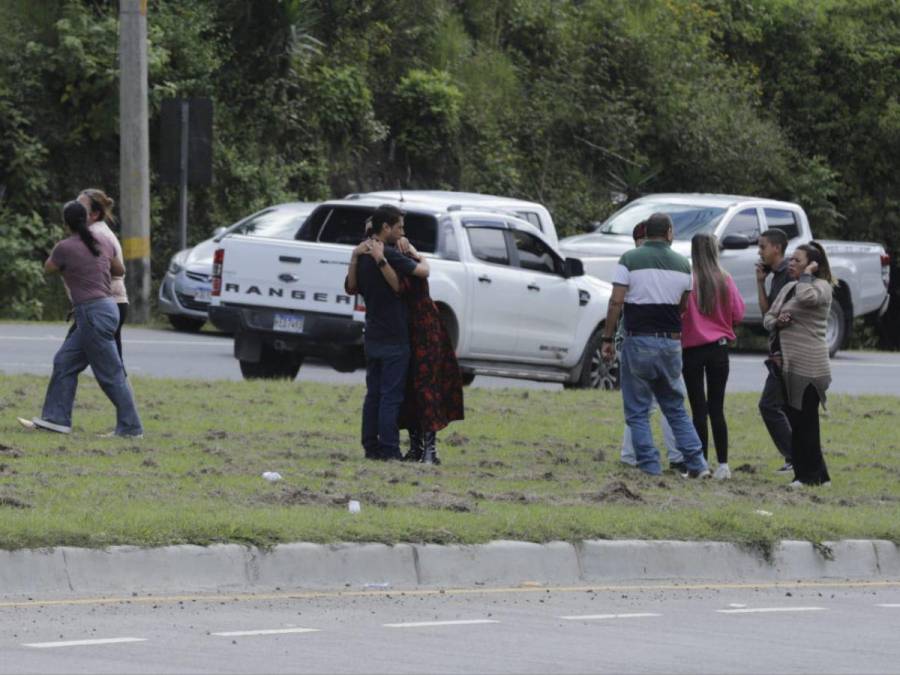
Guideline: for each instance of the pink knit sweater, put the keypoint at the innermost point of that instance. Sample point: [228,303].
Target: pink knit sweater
[698,329]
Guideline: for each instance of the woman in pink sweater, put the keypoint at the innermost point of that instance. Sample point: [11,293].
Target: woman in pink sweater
[714,308]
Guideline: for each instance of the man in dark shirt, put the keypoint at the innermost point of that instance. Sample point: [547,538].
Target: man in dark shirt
[772,247]
[376,268]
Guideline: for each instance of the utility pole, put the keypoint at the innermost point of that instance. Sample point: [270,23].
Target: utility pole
[134,155]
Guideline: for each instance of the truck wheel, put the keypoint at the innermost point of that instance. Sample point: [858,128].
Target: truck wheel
[595,373]
[186,324]
[836,329]
[272,366]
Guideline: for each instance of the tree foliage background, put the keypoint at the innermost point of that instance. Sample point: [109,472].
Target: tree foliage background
[566,102]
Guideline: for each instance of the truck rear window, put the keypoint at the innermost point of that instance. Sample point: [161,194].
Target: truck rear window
[346,225]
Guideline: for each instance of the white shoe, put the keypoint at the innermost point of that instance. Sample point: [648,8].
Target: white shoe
[38,423]
[722,472]
[795,484]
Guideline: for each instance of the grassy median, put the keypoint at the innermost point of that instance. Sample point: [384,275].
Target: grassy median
[530,465]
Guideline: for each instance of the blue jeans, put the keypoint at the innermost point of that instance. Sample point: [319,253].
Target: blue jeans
[627,453]
[651,367]
[93,344]
[386,366]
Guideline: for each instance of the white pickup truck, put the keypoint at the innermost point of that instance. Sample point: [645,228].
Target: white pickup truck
[861,269]
[512,305]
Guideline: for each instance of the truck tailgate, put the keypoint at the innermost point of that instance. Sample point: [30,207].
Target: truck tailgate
[287,275]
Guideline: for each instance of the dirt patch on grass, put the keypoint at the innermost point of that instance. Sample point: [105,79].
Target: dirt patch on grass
[442,501]
[9,451]
[615,491]
[13,503]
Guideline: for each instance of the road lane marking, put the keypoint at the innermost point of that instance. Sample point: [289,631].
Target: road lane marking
[766,610]
[83,643]
[597,617]
[895,605]
[736,605]
[266,631]
[418,593]
[426,624]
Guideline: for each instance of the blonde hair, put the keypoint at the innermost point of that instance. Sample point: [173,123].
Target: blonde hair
[711,278]
[102,203]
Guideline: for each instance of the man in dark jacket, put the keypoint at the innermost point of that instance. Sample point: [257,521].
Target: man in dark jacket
[376,268]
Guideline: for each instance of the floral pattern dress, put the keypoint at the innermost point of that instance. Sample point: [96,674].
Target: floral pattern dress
[434,390]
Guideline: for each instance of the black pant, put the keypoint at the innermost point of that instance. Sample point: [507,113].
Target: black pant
[123,314]
[772,408]
[809,464]
[710,362]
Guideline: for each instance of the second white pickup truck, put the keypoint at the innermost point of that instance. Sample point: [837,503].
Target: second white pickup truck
[514,307]
[861,269]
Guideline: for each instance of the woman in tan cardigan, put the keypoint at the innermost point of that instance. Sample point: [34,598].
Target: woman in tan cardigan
[799,314]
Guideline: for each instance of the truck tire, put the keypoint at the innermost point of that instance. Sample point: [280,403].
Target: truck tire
[272,365]
[186,324]
[468,377]
[836,328]
[594,372]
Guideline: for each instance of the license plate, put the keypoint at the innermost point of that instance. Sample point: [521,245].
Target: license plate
[202,295]
[288,323]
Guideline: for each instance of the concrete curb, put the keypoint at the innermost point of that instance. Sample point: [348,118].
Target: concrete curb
[127,569]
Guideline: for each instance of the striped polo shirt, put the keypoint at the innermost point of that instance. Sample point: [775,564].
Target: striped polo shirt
[656,277]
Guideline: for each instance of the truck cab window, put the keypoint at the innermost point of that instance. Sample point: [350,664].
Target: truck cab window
[784,220]
[489,245]
[534,254]
[745,223]
[449,247]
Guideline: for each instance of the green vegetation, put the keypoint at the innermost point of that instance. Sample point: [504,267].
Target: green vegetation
[561,101]
[530,465]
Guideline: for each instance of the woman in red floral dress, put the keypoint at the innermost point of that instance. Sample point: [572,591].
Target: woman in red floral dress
[434,395]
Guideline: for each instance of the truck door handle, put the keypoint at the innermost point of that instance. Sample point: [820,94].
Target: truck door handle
[290,259]
[287,278]
[533,287]
[485,279]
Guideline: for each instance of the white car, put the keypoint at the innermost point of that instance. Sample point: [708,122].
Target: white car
[184,293]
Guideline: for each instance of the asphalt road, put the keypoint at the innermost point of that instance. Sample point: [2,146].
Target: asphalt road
[813,628]
[29,348]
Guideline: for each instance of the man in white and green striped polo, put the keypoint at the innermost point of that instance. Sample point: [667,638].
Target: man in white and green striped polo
[653,283]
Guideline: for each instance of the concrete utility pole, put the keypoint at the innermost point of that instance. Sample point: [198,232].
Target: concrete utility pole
[134,155]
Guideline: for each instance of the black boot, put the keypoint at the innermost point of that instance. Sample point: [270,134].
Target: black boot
[429,456]
[416,446]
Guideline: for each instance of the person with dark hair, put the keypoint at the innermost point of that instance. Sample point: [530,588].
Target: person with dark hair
[715,306]
[772,247]
[626,455]
[101,220]
[800,315]
[376,269]
[652,283]
[87,265]
[434,390]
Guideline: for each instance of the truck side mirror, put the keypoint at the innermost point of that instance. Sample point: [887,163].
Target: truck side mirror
[574,268]
[218,232]
[736,242]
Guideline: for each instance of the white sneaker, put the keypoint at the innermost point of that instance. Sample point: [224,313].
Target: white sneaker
[795,484]
[722,472]
[38,423]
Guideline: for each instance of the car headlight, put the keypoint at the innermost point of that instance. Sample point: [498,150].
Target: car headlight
[176,264]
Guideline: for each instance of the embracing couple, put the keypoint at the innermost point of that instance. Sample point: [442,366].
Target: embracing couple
[412,376]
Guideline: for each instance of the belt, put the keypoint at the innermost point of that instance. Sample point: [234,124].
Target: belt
[670,336]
